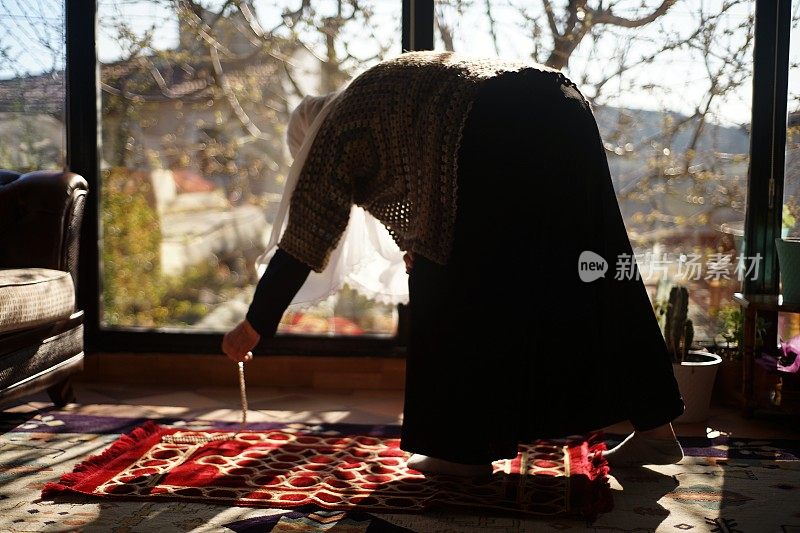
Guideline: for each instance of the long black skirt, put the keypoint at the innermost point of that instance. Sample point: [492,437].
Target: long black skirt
[507,343]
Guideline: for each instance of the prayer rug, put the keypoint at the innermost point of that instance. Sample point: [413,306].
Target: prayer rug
[275,468]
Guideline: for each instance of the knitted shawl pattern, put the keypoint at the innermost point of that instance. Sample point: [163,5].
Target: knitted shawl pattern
[390,145]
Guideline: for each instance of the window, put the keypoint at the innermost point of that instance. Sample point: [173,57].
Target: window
[791,187]
[195,101]
[32,85]
[670,83]
[671,90]
[789,324]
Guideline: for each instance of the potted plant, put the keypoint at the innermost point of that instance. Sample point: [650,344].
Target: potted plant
[695,370]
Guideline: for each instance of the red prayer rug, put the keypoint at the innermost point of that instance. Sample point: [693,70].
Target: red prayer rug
[282,469]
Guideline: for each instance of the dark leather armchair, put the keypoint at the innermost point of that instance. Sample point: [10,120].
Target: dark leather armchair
[41,331]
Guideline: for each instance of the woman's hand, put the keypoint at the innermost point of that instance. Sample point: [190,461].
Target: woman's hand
[238,342]
[408,258]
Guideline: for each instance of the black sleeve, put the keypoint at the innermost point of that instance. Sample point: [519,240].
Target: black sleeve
[276,288]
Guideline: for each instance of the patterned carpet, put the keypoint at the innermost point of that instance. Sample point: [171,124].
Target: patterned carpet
[724,485]
[333,470]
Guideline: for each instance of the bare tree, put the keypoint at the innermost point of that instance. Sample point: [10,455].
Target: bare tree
[32,89]
[677,170]
[214,106]
[220,98]
[580,17]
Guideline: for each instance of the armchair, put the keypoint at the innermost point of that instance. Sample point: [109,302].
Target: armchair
[41,332]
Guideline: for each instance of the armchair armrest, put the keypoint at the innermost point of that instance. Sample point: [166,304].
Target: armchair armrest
[40,219]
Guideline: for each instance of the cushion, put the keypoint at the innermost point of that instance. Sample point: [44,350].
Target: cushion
[31,297]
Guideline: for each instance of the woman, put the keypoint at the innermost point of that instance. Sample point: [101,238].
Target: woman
[493,177]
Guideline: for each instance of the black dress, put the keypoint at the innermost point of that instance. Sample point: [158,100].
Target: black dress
[507,344]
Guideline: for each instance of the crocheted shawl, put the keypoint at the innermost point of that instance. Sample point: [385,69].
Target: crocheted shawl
[376,173]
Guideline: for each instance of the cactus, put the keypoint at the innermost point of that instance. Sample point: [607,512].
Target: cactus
[678,330]
[688,338]
[675,323]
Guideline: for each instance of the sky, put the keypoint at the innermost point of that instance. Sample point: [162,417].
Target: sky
[679,73]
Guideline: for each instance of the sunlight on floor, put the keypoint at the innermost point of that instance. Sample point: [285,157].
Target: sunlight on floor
[730,486]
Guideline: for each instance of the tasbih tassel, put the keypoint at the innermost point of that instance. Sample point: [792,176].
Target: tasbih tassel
[242,396]
[198,438]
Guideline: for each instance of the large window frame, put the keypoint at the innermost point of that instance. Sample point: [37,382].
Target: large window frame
[763,213]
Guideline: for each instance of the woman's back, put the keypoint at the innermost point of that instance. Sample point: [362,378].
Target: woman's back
[390,144]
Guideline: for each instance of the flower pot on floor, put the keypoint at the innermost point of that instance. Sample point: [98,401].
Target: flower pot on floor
[789,263]
[695,376]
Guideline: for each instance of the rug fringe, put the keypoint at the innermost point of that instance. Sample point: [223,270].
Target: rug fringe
[599,486]
[598,497]
[96,463]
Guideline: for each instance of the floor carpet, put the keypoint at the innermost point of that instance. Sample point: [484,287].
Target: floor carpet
[723,485]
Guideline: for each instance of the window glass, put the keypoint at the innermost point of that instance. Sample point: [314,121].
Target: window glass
[791,188]
[789,322]
[32,90]
[195,101]
[671,91]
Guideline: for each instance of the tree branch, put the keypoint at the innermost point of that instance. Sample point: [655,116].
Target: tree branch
[238,110]
[606,16]
[492,23]
[551,17]
[445,32]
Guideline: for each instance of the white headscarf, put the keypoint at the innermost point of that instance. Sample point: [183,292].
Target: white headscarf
[366,258]
[302,118]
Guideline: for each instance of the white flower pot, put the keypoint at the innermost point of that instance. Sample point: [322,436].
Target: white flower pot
[695,378]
